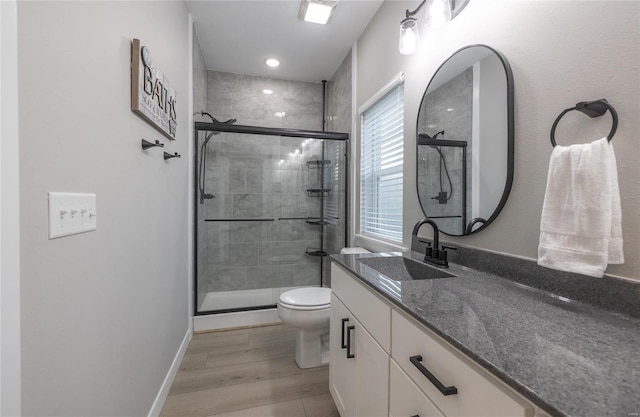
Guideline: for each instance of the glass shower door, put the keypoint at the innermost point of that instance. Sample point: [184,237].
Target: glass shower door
[260,224]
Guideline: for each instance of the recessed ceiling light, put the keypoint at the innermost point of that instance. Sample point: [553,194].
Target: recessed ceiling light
[267,91]
[316,11]
[450,109]
[272,62]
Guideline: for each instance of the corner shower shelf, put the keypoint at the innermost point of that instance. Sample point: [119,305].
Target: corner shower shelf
[318,163]
[318,192]
[315,252]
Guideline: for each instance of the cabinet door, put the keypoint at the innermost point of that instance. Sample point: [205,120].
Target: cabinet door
[342,370]
[373,375]
[405,398]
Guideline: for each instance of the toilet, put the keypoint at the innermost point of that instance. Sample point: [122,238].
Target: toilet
[309,310]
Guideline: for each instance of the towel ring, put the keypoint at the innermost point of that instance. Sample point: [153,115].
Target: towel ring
[592,109]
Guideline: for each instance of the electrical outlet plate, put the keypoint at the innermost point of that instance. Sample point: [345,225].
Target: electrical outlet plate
[71,213]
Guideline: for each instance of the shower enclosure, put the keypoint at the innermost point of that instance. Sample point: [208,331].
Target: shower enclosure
[270,205]
[444,188]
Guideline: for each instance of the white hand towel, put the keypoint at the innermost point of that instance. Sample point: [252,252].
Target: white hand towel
[580,228]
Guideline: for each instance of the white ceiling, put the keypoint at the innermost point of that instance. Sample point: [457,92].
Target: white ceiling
[238,35]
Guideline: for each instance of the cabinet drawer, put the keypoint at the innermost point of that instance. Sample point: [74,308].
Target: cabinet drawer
[478,393]
[405,398]
[371,311]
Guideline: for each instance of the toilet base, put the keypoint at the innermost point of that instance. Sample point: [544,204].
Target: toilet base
[312,348]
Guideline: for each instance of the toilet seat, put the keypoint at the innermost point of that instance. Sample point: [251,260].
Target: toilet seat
[314,298]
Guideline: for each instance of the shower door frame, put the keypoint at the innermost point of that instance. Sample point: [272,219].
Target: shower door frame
[267,131]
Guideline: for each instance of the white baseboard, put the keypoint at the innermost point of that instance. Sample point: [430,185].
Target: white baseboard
[238,319]
[158,403]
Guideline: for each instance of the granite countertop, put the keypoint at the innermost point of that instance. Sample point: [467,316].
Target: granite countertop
[567,357]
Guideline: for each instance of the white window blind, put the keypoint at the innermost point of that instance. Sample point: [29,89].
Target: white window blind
[381,167]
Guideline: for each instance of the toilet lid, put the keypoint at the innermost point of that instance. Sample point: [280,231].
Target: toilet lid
[307,297]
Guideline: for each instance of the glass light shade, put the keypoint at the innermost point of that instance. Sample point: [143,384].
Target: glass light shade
[438,13]
[409,36]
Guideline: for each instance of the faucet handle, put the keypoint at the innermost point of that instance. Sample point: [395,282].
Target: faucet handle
[425,241]
[445,247]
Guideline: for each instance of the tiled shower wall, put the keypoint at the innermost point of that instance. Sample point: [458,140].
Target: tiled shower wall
[450,108]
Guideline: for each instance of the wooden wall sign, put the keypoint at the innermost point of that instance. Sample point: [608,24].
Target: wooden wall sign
[152,96]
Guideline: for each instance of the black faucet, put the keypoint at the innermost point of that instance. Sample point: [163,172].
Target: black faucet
[434,255]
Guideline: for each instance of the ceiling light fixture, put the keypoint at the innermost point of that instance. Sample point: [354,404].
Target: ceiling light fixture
[316,11]
[267,91]
[272,62]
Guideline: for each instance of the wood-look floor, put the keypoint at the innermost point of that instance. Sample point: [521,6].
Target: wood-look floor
[248,373]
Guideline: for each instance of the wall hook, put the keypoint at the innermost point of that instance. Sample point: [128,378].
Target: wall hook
[167,155]
[146,144]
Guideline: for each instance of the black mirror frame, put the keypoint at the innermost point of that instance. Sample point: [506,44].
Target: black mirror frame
[510,136]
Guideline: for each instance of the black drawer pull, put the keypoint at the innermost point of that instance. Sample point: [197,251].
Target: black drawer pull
[417,362]
[342,342]
[349,354]
[417,415]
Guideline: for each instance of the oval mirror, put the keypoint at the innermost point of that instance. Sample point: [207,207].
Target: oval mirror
[465,141]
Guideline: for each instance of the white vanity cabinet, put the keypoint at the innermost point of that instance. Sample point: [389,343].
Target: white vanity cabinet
[359,364]
[398,363]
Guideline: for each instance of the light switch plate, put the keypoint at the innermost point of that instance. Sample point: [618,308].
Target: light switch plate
[71,213]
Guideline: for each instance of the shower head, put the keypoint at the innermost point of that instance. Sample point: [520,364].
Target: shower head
[213,133]
[424,139]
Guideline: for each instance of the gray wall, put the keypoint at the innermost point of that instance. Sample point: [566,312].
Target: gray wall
[553,69]
[103,313]
[200,101]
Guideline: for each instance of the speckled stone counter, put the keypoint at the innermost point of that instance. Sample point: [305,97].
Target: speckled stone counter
[568,357]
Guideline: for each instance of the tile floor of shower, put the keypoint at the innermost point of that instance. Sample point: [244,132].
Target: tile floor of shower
[248,372]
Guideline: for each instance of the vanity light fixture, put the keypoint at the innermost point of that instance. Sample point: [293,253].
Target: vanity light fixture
[438,13]
[272,62]
[409,34]
[316,11]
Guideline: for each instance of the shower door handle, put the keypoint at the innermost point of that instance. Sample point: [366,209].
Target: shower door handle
[342,342]
[349,354]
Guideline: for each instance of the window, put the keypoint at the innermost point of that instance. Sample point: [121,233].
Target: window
[381,167]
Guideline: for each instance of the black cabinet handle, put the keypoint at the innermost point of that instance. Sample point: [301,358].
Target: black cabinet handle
[349,354]
[417,415]
[417,362]
[342,343]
